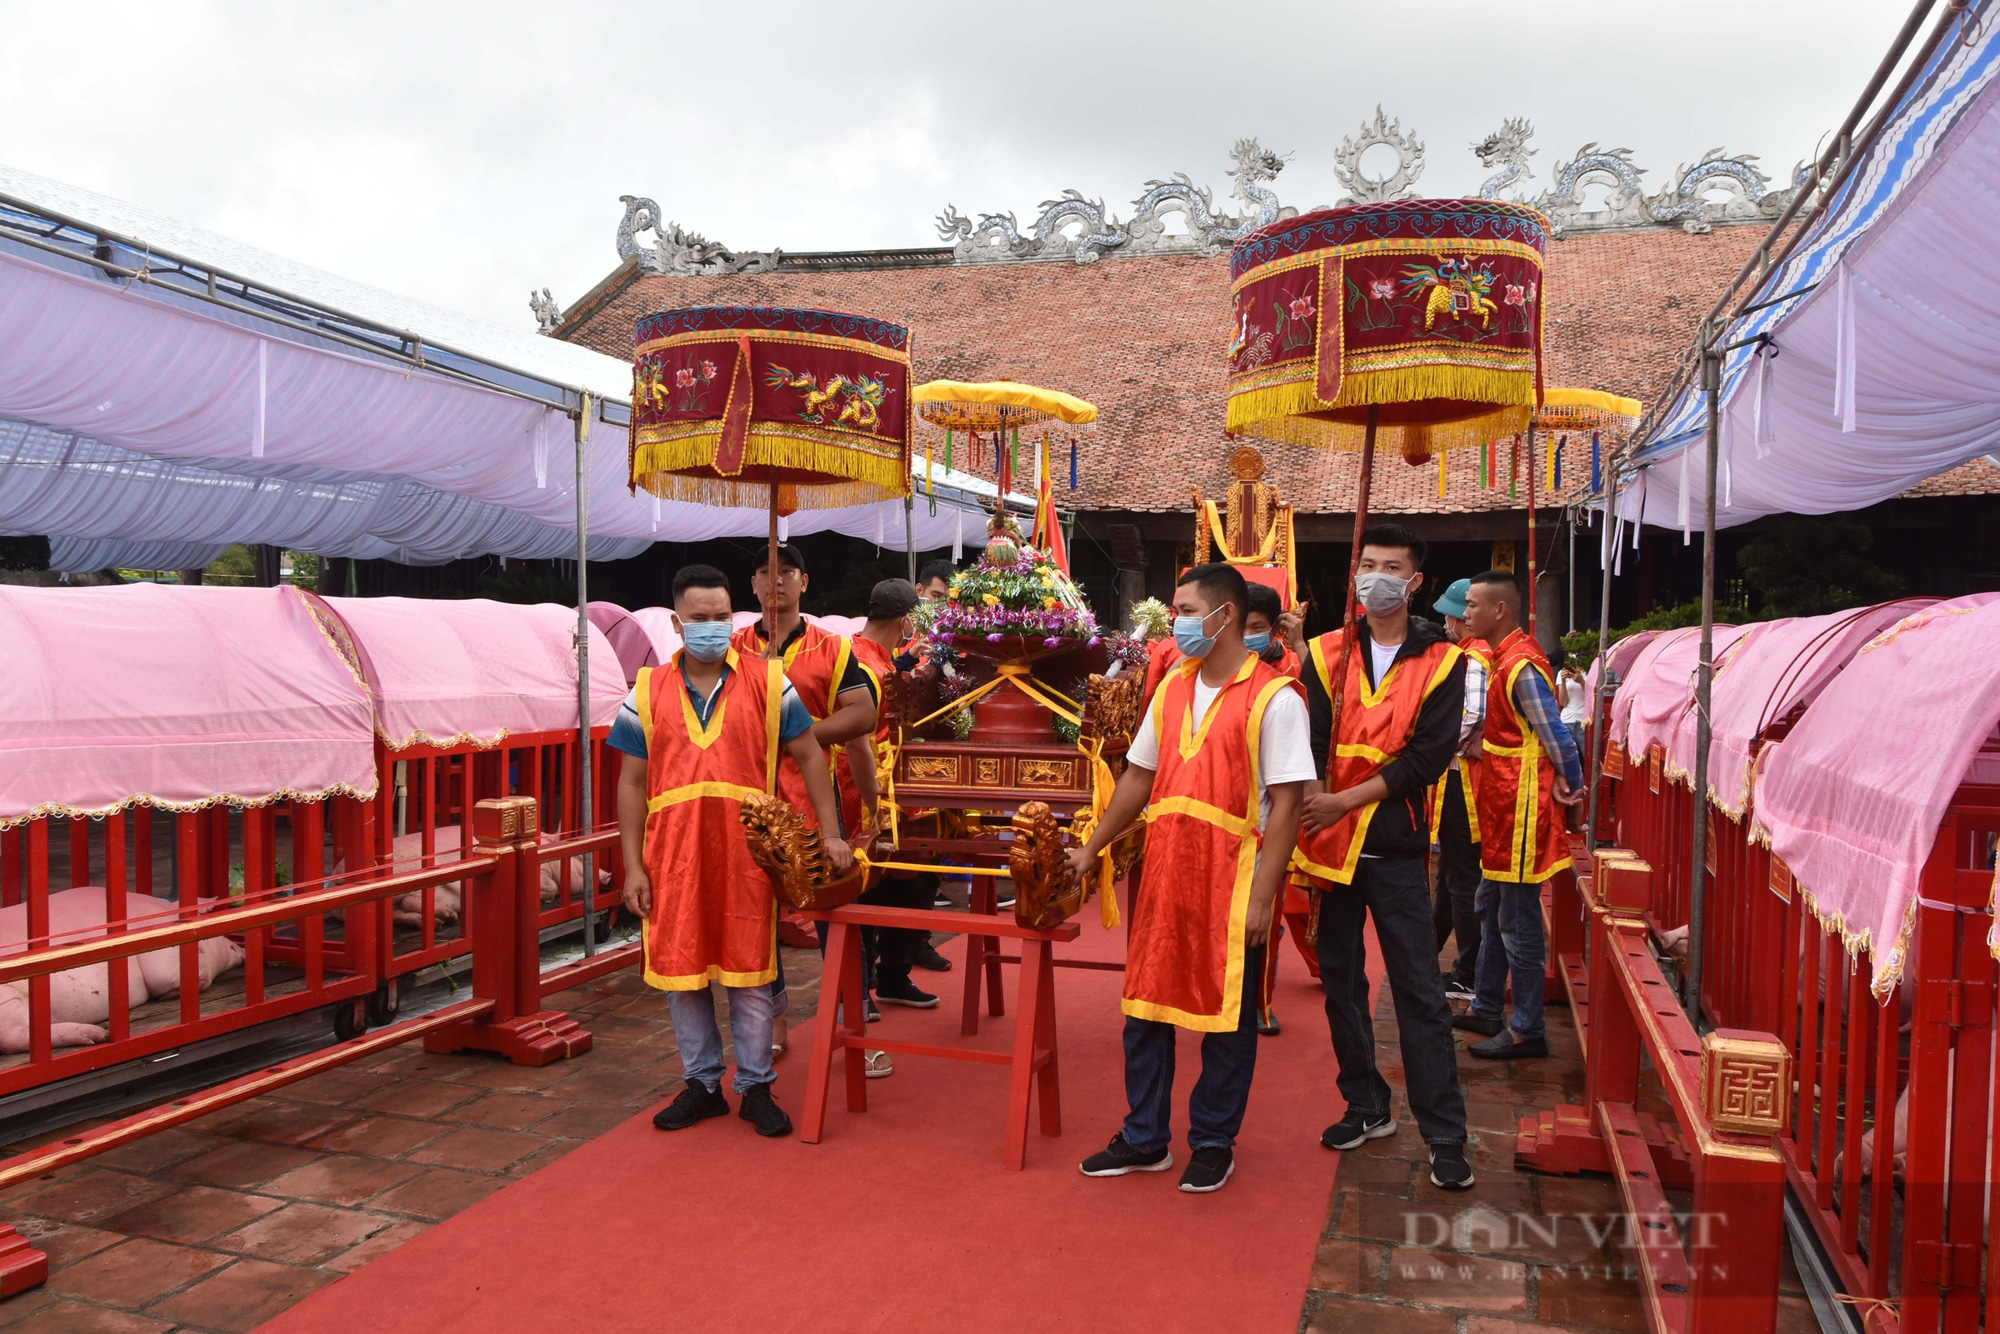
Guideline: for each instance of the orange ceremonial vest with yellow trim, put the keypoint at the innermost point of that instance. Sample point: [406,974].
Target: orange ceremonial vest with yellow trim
[714,915]
[1185,950]
[1468,770]
[1375,726]
[1163,655]
[880,664]
[1522,836]
[814,665]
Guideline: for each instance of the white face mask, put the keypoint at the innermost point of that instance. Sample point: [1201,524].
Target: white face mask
[1381,593]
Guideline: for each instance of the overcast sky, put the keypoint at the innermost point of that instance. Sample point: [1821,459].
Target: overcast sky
[465,153]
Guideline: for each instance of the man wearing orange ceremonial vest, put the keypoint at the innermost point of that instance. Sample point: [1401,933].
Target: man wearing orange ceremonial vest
[1530,771]
[700,735]
[1264,634]
[891,951]
[1217,767]
[1364,841]
[1454,813]
[831,684]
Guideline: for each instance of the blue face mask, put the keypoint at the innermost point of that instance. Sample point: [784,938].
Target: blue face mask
[1188,636]
[706,641]
[1258,644]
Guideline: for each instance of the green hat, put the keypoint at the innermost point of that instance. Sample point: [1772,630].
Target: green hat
[1451,602]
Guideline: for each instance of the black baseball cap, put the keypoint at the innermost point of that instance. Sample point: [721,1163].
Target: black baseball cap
[787,555]
[892,598]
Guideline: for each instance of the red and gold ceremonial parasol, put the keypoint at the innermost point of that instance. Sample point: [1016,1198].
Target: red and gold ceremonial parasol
[1415,319]
[749,406]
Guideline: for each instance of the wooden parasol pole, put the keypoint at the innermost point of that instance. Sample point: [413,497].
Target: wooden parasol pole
[1531,530]
[1349,627]
[771,646]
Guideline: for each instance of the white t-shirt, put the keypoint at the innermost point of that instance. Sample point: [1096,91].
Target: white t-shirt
[1284,746]
[1384,656]
[1576,700]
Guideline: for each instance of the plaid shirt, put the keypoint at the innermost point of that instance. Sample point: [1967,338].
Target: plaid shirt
[1536,704]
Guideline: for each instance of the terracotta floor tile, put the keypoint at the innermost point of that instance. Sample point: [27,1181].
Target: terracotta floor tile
[1344,1315]
[499,1110]
[1454,1279]
[628,1087]
[584,1121]
[479,1150]
[338,1087]
[417,1097]
[1350,1267]
[1589,1297]
[161,1149]
[413,1062]
[136,1273]
[535,1162]
[64,1243]
[499,1074]
[379,1136]
[339,1179]
[96,1195]
[191,1214]
[301,1234]
[242,1296]
[245,1162]
[24,1304]
[288,1122]
[377,1246]
[437,1194]
[71,1318]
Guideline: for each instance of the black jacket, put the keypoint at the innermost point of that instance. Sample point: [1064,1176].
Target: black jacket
[1401,827]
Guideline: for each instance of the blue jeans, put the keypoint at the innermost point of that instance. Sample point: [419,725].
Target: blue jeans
[1511,946]
[751,1012]
[1215,1108]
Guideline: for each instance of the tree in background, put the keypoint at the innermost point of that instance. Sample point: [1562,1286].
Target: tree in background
[1807,565]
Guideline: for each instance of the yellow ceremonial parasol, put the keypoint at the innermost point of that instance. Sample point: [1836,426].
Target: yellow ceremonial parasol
[1565,410]
[759,405]
[1002,408]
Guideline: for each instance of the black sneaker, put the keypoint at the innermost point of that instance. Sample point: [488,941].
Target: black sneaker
[1449,1169]
[942,900]
[1477,1023]
[870,1011]
[762,1112]
[1356,1128]
[697,1102]
[926,956]
[1207,1169]
[1509,1047]
[1004,898]
[1120,1158]
[905,992]
[1268,1025]
[1455,989]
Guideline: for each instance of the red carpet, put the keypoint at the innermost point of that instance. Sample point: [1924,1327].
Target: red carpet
[902,1218]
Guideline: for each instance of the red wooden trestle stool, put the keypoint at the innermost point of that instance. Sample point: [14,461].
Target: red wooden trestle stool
[1033,1058]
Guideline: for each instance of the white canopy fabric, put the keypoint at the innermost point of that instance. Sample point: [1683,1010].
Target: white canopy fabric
[1888,370]
[138,420]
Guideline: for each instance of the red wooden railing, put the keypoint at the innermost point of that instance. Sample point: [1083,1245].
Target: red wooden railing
[1906,1239]
[500,871]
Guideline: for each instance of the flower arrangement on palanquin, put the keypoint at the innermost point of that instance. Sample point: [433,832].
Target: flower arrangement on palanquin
[1013,626]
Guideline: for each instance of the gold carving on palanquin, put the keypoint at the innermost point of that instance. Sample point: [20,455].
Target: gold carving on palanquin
[1046,887]
[790,852]
[1045,773]
[933,769]
[986,772]
[1746,1083]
